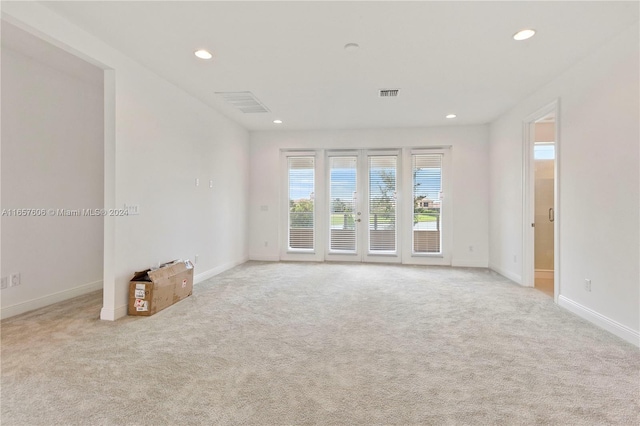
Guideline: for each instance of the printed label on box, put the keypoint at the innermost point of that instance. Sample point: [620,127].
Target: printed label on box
[140,287]
[184,283]
[139,294]
[139,303]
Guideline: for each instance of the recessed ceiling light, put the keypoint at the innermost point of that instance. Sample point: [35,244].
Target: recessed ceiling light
[451,116]
[524,34]
[277,121]
[351,47]
[203,54]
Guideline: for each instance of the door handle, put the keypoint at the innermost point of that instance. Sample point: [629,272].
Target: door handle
[551,215]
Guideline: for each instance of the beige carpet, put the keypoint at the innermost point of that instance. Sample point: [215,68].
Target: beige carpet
[325,344]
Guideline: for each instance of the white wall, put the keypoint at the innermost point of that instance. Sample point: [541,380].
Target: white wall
[52,157]
[599,188]
[469,155]
[163,139]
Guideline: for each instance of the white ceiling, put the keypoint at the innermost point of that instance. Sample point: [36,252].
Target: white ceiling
[446,57]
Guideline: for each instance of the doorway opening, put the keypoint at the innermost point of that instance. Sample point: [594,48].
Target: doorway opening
[544,206]
[541,210]
[54,159]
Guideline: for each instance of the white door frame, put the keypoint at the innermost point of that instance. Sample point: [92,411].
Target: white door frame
[326,213]
[528,198]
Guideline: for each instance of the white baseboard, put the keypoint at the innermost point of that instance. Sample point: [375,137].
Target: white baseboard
[264,257]
[112,315]
[469,263]
[203,276]
[614,327]
[513,277]
[41,302]
[121,311]
[544,273]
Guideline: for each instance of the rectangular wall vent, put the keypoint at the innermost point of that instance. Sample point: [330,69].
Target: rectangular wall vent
[388,93]
[244,101]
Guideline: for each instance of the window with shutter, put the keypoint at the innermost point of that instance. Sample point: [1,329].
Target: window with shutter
[427,203]
[301,174]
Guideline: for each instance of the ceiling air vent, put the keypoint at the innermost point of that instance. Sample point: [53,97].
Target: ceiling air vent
[388,93]
[244,101]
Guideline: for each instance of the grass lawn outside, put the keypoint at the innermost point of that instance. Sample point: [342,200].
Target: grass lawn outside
[423,217]
[337,219]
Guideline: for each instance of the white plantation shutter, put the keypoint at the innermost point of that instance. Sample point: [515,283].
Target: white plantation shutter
[427,203]
[342,196]
[301,172]
[382,203]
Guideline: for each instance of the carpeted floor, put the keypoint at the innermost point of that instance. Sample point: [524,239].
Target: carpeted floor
[325,344]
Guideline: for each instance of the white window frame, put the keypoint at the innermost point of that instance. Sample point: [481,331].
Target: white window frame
[315,254]
[446,218]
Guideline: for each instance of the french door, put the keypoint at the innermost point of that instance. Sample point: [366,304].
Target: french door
[367,206]
[362,213]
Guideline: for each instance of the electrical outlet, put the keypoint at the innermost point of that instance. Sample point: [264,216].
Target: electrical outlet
[197,182]
[587,285]
[4,282]
[211,184]
[14,280]
[515,259]
[195,259]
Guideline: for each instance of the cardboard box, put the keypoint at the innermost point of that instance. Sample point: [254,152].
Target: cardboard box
[152,291]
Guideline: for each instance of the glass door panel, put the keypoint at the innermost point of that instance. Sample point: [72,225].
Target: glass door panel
[343,182]
[382,203]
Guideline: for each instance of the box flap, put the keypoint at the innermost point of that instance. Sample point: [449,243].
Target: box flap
[141,276]
[167,271]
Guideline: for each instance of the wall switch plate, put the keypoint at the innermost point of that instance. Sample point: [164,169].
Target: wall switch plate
[587,285]
[210,184]
[14,280]
[195,259]
[4,282]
